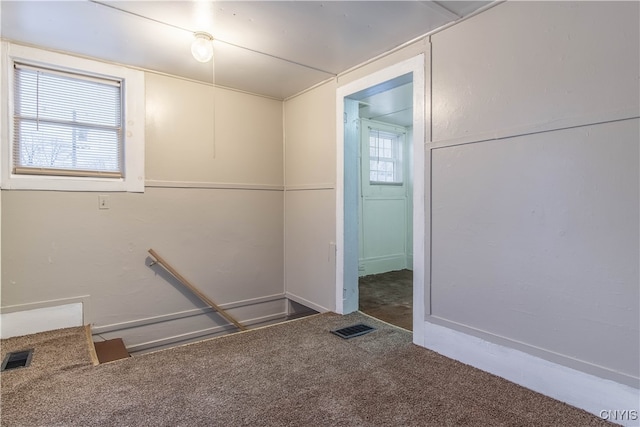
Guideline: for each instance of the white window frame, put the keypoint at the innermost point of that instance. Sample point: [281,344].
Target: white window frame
[134,122]
[376,188]
[397,155]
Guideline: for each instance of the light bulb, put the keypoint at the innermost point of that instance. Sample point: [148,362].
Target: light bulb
[202,46]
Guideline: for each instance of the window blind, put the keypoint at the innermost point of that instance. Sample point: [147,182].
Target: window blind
[66,123]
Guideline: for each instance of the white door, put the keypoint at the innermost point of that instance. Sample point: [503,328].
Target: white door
[384,204]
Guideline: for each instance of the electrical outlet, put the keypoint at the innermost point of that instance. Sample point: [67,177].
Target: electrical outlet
[103,201]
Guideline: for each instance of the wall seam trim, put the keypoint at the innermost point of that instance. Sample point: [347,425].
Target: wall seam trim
[211,185]
[531,130]
[310,187]
[284,201]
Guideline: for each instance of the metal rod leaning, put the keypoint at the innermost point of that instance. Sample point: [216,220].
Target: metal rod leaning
[196,291]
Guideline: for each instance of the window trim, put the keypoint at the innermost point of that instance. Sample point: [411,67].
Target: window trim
[134,122]
[397,145]
[367,187]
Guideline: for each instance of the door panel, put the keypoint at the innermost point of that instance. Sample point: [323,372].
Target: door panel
[383,206]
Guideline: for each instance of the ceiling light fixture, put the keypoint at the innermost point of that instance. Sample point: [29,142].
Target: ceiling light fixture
[202,46]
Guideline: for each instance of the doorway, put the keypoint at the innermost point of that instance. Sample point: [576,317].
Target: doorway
[385,124]
[380,182]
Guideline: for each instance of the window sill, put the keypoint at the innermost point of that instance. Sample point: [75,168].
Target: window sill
[59,183]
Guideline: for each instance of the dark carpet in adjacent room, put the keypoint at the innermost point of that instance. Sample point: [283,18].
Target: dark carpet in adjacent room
[388,297]
[291,374]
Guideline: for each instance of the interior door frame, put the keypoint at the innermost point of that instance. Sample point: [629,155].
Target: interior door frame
[416,66]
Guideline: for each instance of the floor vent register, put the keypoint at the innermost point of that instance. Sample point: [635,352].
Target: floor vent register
[353,331]
[17,359]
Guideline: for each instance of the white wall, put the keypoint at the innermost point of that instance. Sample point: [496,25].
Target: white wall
[310,198]
[216,216]
[535,240]
[535,235]
[524,63]
[180,146]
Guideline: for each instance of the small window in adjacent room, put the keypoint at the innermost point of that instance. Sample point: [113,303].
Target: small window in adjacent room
[66,124]
[72,124]
[385,157]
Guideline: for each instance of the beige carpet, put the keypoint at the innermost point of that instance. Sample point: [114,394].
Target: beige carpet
[292,374]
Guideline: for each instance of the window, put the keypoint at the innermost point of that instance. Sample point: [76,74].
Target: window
[66,124]
[385,157]
[72,124]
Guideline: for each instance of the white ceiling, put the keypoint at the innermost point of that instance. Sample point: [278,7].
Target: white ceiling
[272,48]
[394,106]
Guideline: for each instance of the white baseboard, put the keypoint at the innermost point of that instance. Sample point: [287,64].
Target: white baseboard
[306,303]
[31,321]
[129,324]
[200,334]
[170,329]
[619,403]
[382,264]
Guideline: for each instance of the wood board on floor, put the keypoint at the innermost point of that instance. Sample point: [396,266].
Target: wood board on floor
[110,350]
